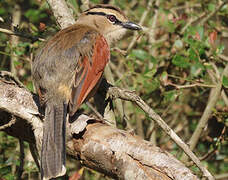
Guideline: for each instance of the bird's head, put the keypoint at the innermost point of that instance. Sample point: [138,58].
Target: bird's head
[110,21]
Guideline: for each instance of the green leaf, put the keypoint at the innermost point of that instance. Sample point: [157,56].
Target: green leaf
[150,73]
[180,61]
[220,49]
[211,7]
[150,86]
[140,54]
[5,170]
[34,15]
[17,63]
[73,3]
[153,59]
[18,52]
[30,86]
[201,50]
[191,32]
[164,76]
[23,44]
[95,1]
[170,26]
[200,30]
[170,96]
[193,55]
[197,69]
[225,81]
[2,11]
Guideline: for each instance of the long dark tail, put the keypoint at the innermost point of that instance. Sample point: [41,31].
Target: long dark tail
[53,154]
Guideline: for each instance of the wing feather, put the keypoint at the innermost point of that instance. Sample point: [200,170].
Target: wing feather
[91,75]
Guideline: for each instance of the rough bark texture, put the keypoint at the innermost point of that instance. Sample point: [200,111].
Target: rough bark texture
[114,152]
[63,15]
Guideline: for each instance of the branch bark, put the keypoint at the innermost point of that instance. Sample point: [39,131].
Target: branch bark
[130,96]
[111,151]
[63,15]
[16,18]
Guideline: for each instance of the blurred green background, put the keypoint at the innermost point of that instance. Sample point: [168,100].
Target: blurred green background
[173,64]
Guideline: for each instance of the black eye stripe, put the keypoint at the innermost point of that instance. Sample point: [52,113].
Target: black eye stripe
[96,13]
[109,16]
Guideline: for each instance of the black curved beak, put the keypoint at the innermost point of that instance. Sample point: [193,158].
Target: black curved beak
[131,26]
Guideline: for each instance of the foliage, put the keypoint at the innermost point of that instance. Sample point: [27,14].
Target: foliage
[173,66]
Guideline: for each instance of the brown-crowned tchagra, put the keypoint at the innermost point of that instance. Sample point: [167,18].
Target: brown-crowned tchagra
[67,69]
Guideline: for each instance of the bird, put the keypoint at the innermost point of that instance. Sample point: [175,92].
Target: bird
[66,72]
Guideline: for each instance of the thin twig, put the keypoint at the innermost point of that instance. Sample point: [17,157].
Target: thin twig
[186,6]
[22,156]
[192,85]
[154,24]
[189,80]
[206,114]
[108,112]
[219,140]
[131,96]
[94,110]
[221,176]
[7,31]
[9,124]
[122,52]
[209,154]
[223,57]
[224,97]
[16,18]
[204,20]
[34,153]
[12,55]
[85,5]
[192,21]
[12,77]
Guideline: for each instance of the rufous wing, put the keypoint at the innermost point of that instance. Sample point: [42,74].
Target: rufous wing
[91,68]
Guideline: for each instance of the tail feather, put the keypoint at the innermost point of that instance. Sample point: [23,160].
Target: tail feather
[53,146]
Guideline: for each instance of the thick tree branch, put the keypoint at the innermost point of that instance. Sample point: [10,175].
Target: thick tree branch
[63,15]
[114,152]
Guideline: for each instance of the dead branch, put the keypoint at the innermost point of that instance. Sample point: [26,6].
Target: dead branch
[131,96]
[63,15]
[16,18]
[111,151]
[20,34]
[215,94]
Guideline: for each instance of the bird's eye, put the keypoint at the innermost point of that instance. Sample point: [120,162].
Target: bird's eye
[111,18]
